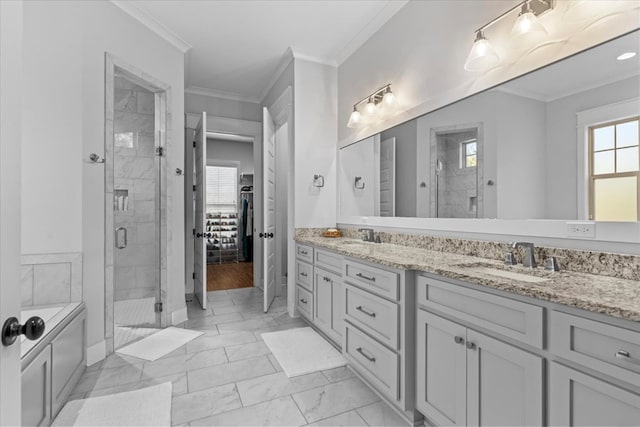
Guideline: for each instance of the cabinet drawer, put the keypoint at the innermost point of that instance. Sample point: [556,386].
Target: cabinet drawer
[605,348]
[304,302]
[328,260]
[373,314]
[511,318]
[304,275]
[304,253]
[378,364]
[381,282]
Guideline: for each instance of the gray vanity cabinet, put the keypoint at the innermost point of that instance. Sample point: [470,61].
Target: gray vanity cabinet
[578,399]
[468,378]
[328,303]
[36,390]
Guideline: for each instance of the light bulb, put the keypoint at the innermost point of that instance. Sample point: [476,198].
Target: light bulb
[355,119]
[389,98]
[370,108]
[528,24]
[626,55]
[482,55]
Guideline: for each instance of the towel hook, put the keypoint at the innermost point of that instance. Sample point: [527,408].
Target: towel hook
[318,180]
[358,184]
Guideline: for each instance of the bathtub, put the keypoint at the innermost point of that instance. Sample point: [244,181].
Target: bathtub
[52,364]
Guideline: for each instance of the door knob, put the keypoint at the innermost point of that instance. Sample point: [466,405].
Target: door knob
[33,329]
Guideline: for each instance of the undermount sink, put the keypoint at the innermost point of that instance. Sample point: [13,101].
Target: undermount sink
[533,276]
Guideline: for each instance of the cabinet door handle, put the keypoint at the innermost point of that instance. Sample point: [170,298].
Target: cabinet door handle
[304,252]
[470,345]
[326,279]
[303,274]
[302,300]
[368,313]
[458,340]
[362,276]
[369,358]
[626,356]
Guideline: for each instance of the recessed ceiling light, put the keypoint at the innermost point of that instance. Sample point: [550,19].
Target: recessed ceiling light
[626,55]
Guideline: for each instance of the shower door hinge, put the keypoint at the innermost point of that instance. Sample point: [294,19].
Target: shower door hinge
[160,151]
[158,307]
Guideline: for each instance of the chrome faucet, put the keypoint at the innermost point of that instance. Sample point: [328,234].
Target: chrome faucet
[529,259]
[369,234]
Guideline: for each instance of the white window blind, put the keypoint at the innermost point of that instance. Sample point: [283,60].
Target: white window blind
[222,188]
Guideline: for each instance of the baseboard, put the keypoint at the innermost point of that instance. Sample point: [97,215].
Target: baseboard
[179,316]
[96,353]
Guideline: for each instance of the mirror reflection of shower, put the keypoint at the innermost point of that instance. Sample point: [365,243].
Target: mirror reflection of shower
[455,166]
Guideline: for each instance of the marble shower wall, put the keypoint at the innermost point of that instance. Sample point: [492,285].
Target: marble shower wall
[135,200]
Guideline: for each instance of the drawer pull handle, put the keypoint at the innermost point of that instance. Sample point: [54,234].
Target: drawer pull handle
[626,356]
[458,340]
[304,252]
[368,313]
[369,358]
[302,300]
[326,279]
[470,345]
[303,274]
[362,276]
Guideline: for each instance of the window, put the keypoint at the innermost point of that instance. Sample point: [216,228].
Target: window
[614,165]
[222,189]
[469,154]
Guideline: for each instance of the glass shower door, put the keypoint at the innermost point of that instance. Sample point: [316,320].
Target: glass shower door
[136,206]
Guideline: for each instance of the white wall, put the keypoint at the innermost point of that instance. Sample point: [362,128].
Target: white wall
[242,152]
[561,159]
[357,160]
[221,107]
[315,98]
[63,194]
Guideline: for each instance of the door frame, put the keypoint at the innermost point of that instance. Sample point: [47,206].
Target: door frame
[162,138]
[234,127]
[282,113]
[11,27]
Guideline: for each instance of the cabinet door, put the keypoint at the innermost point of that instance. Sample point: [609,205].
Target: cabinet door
[504,383]
[578,399]
[322,300]
[68,361]
[337,310]
[36,390]
[441,370]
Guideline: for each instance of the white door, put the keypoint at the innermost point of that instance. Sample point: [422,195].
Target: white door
[200,249]
[10,135]
[268,203]
[388,177]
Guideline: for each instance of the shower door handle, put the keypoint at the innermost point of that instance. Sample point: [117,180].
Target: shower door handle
[124,242]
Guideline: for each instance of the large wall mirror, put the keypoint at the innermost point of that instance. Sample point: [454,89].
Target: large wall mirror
[559,143]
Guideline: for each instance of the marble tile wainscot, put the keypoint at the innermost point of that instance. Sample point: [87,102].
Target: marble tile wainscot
[528,327]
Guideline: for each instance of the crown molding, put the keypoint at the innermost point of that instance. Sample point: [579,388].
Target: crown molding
[203,91]
[297,54]
[150,22]
[286,59]
[392,7]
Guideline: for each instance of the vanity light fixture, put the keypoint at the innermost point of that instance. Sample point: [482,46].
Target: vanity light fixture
[378,103]
[484,56]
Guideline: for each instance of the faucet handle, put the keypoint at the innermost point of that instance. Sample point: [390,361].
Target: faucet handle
[551,264]
[509,258]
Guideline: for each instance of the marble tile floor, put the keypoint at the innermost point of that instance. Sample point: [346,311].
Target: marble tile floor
[229,377]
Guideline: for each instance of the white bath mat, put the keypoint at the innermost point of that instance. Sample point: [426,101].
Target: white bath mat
[159,344]
[149,406]
[301,351]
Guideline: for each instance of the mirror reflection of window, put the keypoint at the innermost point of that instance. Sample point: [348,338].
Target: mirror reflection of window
[469,151]
[614,157]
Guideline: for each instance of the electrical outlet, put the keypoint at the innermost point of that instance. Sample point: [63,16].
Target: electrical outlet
[582,230]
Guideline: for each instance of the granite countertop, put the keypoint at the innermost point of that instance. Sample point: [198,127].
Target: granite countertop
[601,294]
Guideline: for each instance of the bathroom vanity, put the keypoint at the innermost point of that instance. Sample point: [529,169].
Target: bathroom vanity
[463,340]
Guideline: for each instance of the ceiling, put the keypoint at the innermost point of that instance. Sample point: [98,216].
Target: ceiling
[578,73]
[234,48]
